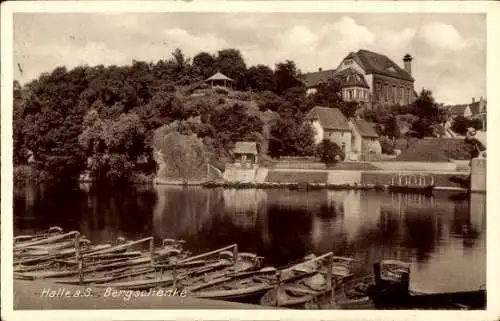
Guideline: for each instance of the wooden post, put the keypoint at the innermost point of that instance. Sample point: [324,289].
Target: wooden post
[235,254]
[77,246]
[78,258]
[174,274]
[278,289]
[376,273]
[332,279]
[152,250]
[80,270]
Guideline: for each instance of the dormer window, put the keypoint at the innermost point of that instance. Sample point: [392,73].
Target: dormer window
[348,61]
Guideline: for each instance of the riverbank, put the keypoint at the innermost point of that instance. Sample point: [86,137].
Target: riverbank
[332,180]
[46,295]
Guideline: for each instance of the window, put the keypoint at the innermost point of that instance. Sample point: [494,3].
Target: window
[386,92]
[409,95]
[394,93]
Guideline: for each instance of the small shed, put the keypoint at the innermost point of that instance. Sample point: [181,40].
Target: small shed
[219,79]
[245,154]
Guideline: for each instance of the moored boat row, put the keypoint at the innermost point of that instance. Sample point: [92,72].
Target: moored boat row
[225,273]
[324,281]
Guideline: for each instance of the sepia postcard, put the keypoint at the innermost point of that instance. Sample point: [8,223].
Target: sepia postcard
[266,160]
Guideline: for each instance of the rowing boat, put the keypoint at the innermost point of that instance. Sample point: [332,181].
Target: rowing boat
[239,287]
[48,240]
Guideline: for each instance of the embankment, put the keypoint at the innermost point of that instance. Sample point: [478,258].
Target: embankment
[444,176]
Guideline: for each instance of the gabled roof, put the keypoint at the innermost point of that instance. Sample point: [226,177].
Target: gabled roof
[364,128]
[375,63]
[245,148]
[475,108]
[350,77]
[329,118]
[313,79]
[457,110]
[219,76]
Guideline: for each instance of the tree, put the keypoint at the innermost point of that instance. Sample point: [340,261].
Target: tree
[114,147]
[328,94]
[181,67]
[429,112]
[204,65]
[425,106]
[289,138]
[261,78]
[460,124]
[391,128]
[287,76]
[48,120]
[267,100]
[231,63]
[232,124]
[423,128]
[329,152]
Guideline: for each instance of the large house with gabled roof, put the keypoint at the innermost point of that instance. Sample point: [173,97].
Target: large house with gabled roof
[369,78]
[356,137]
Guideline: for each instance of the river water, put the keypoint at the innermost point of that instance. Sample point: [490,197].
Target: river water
[444,237]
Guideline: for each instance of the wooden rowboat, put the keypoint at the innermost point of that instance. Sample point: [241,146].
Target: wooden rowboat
[240,287]
[48,240]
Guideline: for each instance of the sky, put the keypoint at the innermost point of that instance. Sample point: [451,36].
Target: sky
[449,50]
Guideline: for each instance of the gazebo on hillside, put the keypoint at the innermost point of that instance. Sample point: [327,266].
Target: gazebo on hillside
[219,79]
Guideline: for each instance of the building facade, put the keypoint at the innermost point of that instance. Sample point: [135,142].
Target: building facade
[369,78]
[356,137]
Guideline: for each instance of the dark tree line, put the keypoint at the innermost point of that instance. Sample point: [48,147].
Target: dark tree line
[102,119]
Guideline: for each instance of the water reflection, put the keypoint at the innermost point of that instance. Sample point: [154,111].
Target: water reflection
[443,237]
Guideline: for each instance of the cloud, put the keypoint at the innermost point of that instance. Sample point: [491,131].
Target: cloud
[442,36]
[193,44]
[396,40]
[92,53]
[349,33]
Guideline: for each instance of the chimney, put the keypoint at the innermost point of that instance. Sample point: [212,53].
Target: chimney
[473,99]
[320,69]
[407,63]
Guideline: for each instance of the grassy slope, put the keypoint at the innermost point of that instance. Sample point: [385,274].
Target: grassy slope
[433,150]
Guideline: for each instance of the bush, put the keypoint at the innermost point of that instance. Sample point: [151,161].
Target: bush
[244,96]
[387,146]
[329,152]
[221,91]
[269,101]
